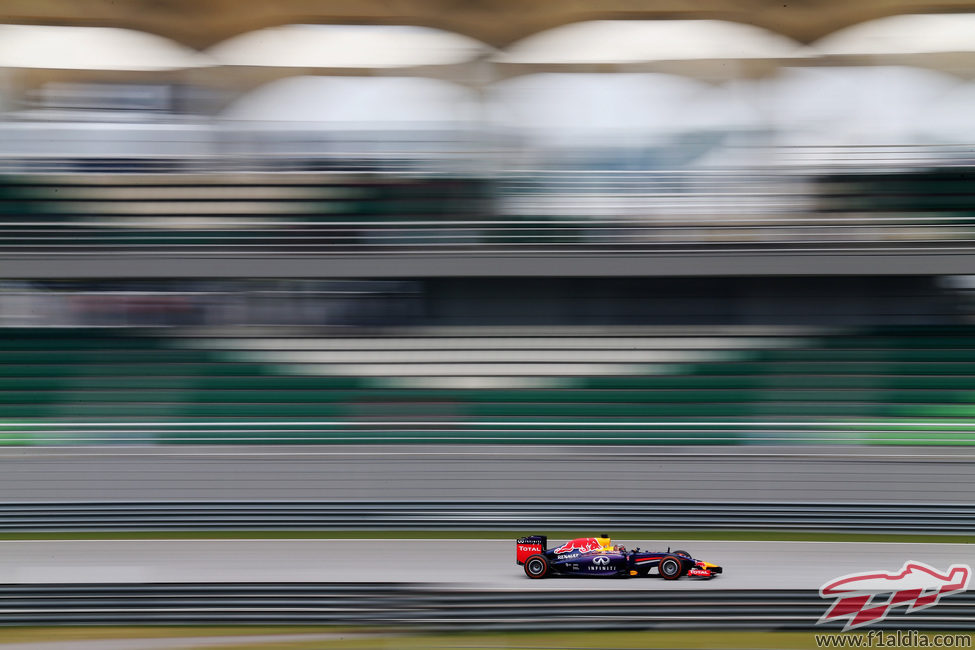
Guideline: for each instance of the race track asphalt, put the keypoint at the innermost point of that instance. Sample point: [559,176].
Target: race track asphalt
[481,564]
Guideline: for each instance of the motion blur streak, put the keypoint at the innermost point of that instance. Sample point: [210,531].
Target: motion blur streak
[517,474]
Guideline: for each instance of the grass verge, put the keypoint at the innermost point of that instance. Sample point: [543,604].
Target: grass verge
[334,639]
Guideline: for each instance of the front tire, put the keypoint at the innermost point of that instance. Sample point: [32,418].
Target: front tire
[536,567]
[670,568]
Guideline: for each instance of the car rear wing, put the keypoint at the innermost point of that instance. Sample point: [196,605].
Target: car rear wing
[528,546]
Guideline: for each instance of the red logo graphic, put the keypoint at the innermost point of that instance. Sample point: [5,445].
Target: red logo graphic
[865,598]
[584,544]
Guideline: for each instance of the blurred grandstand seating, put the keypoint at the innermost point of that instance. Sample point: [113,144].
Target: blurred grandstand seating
[291,213]
[586,146]
[714,385]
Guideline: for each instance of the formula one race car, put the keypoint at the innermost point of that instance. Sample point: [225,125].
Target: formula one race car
[597,556]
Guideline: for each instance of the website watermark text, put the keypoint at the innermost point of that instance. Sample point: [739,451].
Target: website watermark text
[893,639]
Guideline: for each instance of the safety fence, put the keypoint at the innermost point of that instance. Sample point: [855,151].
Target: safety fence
[411,606]
[957,519]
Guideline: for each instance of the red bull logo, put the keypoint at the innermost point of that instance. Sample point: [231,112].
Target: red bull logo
[865,598]
[582,544]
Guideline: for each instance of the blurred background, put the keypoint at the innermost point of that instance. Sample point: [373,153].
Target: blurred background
[507,237]
[748,224]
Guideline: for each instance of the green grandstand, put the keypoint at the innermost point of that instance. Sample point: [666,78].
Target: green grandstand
[893,385]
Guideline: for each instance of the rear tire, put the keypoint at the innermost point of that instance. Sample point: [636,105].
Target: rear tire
[536,566]
[670,568]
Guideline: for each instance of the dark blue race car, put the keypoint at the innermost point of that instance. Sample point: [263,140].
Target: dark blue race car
[599,557]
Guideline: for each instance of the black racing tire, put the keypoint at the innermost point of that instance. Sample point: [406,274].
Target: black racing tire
[536,566]
[670,567]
